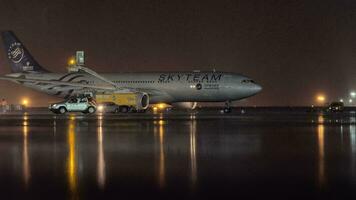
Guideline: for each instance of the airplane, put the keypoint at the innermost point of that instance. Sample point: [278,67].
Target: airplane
[155,87]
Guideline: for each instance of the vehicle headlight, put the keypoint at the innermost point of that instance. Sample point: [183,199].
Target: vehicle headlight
[100,108]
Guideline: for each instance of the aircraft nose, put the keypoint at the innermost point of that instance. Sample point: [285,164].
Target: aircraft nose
[256,88]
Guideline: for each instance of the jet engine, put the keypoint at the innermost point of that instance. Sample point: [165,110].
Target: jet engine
[143,100]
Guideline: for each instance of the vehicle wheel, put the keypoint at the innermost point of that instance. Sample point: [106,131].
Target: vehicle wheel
[62,110]
[124,109]
[91,110]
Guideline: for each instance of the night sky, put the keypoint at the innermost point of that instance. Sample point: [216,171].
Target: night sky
[294,49]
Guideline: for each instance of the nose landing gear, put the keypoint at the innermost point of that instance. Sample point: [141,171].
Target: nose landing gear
[227,108]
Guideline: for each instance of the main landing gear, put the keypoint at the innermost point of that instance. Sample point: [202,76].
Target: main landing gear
[227,108]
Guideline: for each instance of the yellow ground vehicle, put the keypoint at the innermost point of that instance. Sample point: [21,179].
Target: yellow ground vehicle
[126,101]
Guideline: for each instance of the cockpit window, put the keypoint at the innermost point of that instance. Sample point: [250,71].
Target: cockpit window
[247,81]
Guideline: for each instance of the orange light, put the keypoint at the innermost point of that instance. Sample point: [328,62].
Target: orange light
[320,98]
[71,61]
[161,106]
[25,102]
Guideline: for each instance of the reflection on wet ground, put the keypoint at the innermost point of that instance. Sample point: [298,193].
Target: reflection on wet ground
[189,155]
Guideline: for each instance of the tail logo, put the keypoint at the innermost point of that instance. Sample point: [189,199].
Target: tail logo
[15,52]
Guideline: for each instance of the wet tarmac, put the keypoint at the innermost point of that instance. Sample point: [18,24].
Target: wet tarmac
[279,155]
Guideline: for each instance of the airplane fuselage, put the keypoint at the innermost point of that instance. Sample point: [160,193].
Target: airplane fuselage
[167,87]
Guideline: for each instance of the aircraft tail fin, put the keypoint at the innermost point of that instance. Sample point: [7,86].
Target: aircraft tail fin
[19,57]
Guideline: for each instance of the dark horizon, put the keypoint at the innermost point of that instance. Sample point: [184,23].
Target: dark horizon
[294,49]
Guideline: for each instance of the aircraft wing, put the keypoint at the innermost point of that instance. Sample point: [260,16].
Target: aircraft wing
[57,83]
[151,92]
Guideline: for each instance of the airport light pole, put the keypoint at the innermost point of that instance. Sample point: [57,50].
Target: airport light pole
[321,99]
[352,97]
[353,94]
[25,102]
